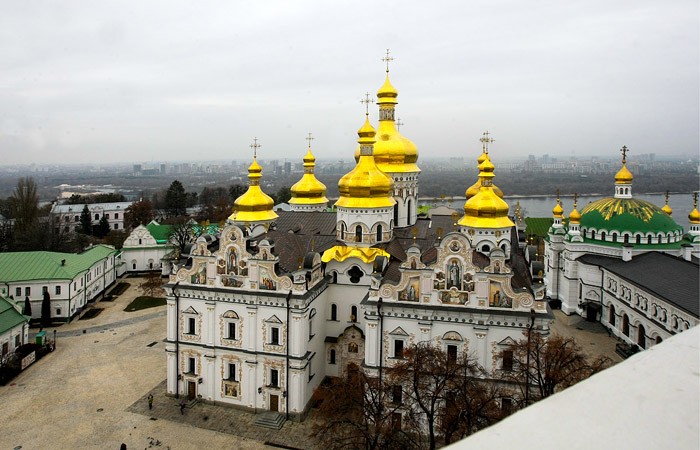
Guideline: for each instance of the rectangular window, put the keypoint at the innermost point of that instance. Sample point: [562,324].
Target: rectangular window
[27,291]
[58,290]
[44,289]
[5,348]
[398,348]
[116,226]
[116,216]
[58,311]
[231,330]
[506,405]
[190,325]
[507,360]
[97,217]
[396,421]
[18,292]
[452,354]
[274,378]
[107,216]
[396,394]
[232,371]
[16,340]
[275,335]
[191,366]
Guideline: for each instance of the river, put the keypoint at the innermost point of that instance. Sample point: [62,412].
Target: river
[541,206]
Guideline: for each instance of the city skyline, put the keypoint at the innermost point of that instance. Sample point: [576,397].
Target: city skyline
[132,82]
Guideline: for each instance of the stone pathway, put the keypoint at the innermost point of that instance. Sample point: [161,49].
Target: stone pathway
[223,419]
[109,326]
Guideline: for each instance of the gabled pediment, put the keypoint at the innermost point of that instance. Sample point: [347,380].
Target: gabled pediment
[190,310]
[273,319]
[507,342]
[398,331]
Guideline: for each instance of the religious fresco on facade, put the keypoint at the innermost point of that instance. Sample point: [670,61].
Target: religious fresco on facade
[266,281]
[412,291]
[497,297]
[231,262]
[200,276]
[454,297]
[454,274]
[231,281]
[439,281]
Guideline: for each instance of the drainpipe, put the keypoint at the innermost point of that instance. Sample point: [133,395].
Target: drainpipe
[381,347]
[286,370]
[177,339]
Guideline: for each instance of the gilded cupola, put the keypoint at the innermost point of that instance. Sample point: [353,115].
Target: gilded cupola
[309,190]
[575,216]
[474,188]
[393,152]
[486,209]
[365,186]
[558,211]
[254,205]
[667,209]
[694,216]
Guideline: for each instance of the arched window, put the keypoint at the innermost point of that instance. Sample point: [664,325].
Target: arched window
[611,316]
[331,359]
[335,277]
[379,233]
[641,336]
[353,314]
[639,239]
[627,238]
[334,312]
[614,237]
[342,230]
[602,235]
[658,339]
[625,325]
[485,248]
[410,210]
[396,212]
[358,233]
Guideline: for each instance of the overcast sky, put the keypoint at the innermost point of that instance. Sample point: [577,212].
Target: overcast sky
[148,81]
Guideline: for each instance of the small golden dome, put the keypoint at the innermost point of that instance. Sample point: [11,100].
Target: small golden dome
[254,205]
[558,211]
[308,190]
[667,209]
[486,209]
[694,216]
[575,216]
[623,176]
[474,188]
[366,186]
[393,152]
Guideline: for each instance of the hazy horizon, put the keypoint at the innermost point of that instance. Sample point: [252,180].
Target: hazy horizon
[132,82]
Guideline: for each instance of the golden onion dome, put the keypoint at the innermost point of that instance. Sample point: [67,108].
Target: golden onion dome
[254,205]
[486,209]
[393,152]
[308,190]
[667,209]
[623,176]
[694,216]
[474,188]
[366,186]
[558,211]
[575,216]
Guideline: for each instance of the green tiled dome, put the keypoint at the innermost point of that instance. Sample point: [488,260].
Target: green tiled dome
[627,214]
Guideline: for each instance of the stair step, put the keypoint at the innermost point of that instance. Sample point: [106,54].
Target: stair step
[270,419]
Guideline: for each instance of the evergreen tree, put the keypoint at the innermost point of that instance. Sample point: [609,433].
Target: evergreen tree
[85,221]
[103,227]
[176,199]
[27,311]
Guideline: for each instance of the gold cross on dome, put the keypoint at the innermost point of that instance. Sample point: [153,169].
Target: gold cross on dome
[624,151]
[255,146]
[399,123]
[558,196]
[485,141]
[695,199]
[387,59]
[367,100]
[309,138]
[575,199]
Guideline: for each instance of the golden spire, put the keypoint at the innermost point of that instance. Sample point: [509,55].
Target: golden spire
[254,205]
[575,216]
[558,211]
[694,215]
[474,188]
[624,176]
[667,209]
[308,190]
[366,186]
[486,209]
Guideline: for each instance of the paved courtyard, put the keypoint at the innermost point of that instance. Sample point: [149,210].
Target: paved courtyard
[91,391]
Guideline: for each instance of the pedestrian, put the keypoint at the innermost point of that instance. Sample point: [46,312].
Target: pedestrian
[182,407]
[150,401]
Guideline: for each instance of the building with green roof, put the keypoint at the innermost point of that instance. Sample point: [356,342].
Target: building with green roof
[70,279]
[145,247]
[590,256]
[13,327]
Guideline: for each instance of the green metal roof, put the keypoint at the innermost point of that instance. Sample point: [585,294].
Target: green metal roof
[9,316]
[538,226]
[160,233]
[26,266]
[627,214]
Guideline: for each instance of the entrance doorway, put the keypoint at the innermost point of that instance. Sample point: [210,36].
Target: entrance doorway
[592,312]
[274,402]
[191,390]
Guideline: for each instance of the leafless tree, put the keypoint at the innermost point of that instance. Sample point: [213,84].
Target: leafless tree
[152,284]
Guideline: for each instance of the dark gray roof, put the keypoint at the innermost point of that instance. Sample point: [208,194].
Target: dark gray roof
[668,277]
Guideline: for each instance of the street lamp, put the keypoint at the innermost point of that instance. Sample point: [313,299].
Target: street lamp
[527,365]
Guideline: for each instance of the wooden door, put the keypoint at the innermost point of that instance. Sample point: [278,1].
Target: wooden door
[274,403]
[191,390]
